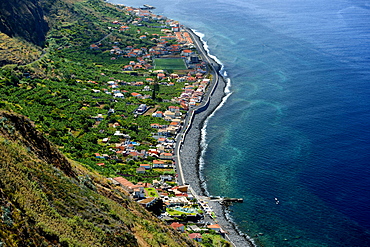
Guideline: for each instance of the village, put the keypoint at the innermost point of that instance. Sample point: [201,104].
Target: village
[177,205]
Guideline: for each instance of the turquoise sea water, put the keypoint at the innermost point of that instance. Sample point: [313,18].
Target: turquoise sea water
[296,126]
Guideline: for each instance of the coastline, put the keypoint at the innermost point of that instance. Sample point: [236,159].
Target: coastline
[198,152]
[191,148]
[189,144]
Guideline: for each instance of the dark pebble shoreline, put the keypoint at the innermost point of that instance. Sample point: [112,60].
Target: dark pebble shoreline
[190,154]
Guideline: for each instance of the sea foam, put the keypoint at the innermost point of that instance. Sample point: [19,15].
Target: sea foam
[228,92]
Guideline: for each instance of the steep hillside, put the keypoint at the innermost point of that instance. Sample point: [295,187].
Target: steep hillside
[17,51]
[47,200]
[23,30]
[24,18]
[25,24]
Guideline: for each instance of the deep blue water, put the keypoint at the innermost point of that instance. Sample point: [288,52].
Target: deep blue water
[297,124]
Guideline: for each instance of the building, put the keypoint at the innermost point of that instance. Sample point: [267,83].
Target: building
[141,109]
[147,202]
[196,236]
[127,185]
[178,226]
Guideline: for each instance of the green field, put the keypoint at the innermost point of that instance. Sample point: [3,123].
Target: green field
[169,63]
[151,192]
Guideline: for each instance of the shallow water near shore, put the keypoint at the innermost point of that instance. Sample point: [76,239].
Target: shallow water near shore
[297,124]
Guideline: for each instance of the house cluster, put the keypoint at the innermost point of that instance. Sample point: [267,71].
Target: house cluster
[180,209]
[143,15]
[130,51]
[170,31]
[164,47]
[143,62]
[163,151]
[113,88]
[174,117]
[192,94]
[122,149]
[163,133]
[184,38]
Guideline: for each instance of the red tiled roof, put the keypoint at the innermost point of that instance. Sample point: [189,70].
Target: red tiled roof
[158,162]
[124,182]
[214,226]
[140,169]
[176,225]
[195,235]
[135,94]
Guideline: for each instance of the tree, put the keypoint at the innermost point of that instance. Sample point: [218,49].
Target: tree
[155,90]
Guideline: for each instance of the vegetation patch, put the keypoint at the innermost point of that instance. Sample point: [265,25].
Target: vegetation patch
[17,51]
[151,192]
[169,63]
[209,240]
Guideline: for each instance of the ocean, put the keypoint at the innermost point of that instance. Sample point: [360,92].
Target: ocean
[293,137]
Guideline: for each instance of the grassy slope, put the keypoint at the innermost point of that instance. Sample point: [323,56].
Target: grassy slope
[40,205]
[17,51]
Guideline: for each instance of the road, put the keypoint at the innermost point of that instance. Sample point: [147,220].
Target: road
[207,97]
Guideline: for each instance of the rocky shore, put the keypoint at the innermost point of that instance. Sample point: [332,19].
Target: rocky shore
[190,151]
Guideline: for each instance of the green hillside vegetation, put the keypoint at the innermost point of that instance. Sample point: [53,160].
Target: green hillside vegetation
[63,111]
[55,92]
[46,199]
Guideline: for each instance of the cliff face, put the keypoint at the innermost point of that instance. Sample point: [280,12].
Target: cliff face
[23,18]
[46,200]
[23,131]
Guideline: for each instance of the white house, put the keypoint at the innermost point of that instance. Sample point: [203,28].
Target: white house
[119,95]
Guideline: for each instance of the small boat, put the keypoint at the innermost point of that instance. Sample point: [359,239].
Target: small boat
[147,7]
